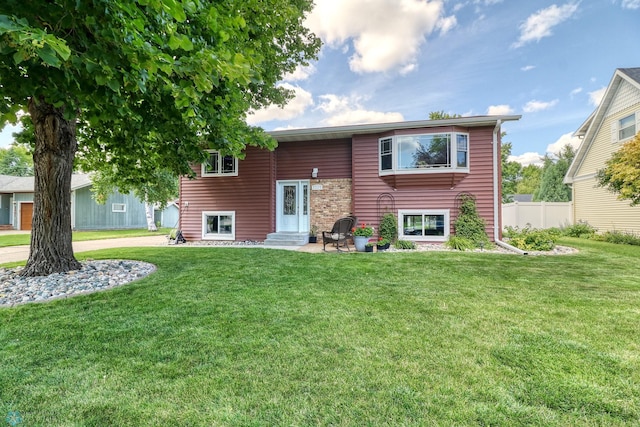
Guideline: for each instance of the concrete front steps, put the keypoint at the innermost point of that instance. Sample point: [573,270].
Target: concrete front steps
[286,239]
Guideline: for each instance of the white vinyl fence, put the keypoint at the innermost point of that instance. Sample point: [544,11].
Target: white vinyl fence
[537,214]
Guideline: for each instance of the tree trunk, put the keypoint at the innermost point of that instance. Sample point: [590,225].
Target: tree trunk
[148,208]
[55,148]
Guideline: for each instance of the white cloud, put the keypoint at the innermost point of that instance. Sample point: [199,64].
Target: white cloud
[528,67]
[344,110]
[631,4]
[535,106]
[300,73]
[385,34]
[567,138]
[539,25]
[527,159]
[575,92]
[295,107]
[499,110]
[447,23]
[6,137]
[596,96]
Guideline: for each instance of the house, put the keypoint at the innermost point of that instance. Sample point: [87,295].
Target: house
[615,121]
[418,170]
[119,212]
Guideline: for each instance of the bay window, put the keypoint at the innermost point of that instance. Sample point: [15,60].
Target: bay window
[424,153]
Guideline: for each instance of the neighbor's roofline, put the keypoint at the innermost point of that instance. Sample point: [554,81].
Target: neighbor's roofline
[350,130]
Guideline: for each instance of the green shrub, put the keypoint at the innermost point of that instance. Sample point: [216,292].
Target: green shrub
[469,223]
[531,239]
[405,244]
[459,243]
[620,238]
[388,227]
[580,229]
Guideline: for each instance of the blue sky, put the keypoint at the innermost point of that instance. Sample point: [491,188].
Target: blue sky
[395,60]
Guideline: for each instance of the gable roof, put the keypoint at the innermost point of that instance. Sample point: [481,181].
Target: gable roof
[26,184]
[341,132]
[591,126]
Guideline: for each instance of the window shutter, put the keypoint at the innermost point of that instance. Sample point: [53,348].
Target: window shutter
[614,132]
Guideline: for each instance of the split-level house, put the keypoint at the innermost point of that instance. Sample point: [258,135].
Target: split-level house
[417,170]
[614,122]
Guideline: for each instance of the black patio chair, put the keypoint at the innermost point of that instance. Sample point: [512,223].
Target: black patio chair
[340,233]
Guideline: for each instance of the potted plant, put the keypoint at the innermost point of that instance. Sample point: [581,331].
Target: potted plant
[382,244]
[361,236]
[369,246]
[313,234]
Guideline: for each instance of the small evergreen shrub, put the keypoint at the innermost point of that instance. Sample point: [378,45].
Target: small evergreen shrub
[405,244]
[531,239]
[388,227]
[459,243]
[469,223]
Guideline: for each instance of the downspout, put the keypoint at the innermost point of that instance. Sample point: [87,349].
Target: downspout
[496,199]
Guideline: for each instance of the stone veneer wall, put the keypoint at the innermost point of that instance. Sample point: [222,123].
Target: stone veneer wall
[330,200]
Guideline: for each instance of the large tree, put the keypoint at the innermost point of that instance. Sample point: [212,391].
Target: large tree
[552,188]
[621,173]
[16,160]
[142,84]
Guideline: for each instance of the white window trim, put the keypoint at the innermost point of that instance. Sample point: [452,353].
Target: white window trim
[453,155]
[207,236]
[447,224]
[615,128]
[206,174]
[118,207]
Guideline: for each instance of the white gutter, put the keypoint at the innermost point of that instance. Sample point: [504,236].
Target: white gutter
[496,200]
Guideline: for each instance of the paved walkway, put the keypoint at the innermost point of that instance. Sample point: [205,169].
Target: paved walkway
[21,253]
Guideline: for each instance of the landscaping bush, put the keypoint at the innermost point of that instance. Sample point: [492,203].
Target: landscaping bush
[405,244]
[531,239]
[580,229]
[619,237]
[388,227]
[469,223]
[459,243]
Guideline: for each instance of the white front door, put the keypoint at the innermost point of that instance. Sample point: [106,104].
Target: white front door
[292,206]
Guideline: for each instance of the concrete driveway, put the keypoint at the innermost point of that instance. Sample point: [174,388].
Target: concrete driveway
[21,253]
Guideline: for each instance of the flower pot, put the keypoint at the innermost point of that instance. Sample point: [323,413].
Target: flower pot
[313,239]
[360,242]
[382,247]
[368,248]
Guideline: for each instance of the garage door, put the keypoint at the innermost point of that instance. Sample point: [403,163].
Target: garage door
[26,215]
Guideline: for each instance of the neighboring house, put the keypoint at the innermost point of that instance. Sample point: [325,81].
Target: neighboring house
[615,121]
[119,212]
[417,170]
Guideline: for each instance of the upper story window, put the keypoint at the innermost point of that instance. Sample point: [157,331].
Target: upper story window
[437,152]
[220,165]
[627,127]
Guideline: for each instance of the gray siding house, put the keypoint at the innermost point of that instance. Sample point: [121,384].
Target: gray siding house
[120,211]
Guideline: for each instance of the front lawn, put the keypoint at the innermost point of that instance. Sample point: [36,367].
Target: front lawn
[259,337]
[81,236]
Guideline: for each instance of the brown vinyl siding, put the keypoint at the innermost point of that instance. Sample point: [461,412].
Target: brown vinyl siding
[250,195]
[295,160]
[432,191]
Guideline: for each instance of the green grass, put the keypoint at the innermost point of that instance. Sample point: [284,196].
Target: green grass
[254,337]
[80,236]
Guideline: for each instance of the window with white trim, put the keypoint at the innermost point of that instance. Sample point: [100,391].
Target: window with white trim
[118,207]
[424,153]
[219,165]
[219,225]
[627,127]
[427,225]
